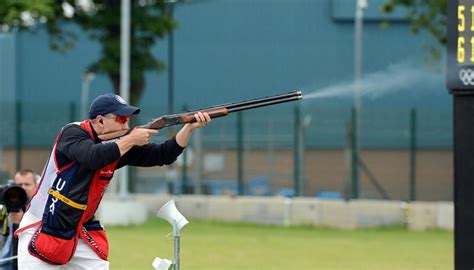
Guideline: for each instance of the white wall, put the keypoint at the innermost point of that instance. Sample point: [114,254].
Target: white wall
[304,211]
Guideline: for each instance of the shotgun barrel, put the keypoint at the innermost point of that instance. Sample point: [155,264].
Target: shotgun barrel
[222,110]
[266,101]
[214,112]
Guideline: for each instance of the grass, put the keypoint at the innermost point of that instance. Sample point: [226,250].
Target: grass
[208,245]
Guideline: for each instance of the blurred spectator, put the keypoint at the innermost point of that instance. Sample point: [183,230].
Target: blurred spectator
[26,179]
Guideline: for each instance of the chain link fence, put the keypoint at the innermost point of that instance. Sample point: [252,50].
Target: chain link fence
[265,144]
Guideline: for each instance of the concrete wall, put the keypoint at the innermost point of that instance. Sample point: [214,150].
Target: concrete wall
[306,211]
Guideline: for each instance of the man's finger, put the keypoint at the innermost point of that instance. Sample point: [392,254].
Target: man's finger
[203,118]
[152,131]
[197,117]
[208,118]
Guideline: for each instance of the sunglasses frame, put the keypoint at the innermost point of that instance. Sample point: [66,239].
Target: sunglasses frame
[121,119]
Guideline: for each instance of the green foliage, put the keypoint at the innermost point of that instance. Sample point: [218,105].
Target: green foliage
[101,20]
[427,15]
[11,12]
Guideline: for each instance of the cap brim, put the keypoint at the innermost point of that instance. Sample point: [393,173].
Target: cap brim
[127,111]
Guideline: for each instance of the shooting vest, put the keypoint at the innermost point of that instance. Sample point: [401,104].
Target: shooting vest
[63,208]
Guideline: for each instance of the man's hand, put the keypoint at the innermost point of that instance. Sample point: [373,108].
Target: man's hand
[202,119]
[182,137]
[15,217]
[137,137]
[141,136]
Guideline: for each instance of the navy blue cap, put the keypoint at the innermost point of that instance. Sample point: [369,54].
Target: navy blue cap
[109,103]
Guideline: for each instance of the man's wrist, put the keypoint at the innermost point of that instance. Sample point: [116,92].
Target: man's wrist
[126,141]
[124,144]
[182,137]
[189,127]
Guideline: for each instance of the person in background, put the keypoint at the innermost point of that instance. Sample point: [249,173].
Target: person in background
[26,179]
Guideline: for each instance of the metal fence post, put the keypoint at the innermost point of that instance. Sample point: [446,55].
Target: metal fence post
[413,146]
[298,152]
[72,112]
[18,134]
[184,169]
[240,161]
[198,160]
[348,161]
[355,157]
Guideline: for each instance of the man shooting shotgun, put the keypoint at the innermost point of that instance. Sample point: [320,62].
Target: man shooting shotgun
[59,230]
[213,112]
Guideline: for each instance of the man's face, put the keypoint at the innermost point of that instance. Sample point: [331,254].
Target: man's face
[112,122]
[27,182]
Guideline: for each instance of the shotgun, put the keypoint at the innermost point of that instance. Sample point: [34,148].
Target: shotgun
[214,112]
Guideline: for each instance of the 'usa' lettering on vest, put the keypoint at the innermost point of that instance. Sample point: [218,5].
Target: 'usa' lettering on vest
[59,186]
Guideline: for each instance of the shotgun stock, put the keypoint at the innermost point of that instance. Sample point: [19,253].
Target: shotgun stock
[214,112]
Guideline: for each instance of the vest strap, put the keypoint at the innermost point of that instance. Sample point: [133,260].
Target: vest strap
[65,200]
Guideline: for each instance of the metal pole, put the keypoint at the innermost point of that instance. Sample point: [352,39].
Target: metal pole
[8,259]
[348,161]
[124,77]
[3,111]
[19,134]
[355,158]
[299,152]
[72,111]
[463,112]
[197,146]
[18,99]
[413,145]
[171,62]
[86,79]
[184,172]
[176,252]
[2,166]
[240,150]
[358,45]
[171,130]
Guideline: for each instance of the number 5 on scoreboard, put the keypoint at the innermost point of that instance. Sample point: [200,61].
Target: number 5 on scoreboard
[461,18]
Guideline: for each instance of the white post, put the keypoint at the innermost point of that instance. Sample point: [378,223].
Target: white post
[86,80]
[124,77]
[358,61]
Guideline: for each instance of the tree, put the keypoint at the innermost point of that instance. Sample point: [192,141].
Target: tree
[429,15]
[100,19]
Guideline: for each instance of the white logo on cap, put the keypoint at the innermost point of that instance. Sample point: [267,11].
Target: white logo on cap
[120,99]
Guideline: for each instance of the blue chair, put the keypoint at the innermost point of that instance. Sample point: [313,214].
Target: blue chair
[332,195]
[259,186]
[220,187]
[286,192]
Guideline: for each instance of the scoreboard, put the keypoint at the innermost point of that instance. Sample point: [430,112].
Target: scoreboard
[460,45]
